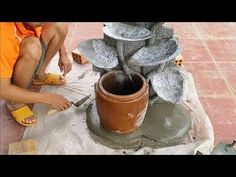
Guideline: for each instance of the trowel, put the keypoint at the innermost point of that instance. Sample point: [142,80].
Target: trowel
[77,104]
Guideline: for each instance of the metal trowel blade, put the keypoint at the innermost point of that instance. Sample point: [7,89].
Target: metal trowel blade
[80,102]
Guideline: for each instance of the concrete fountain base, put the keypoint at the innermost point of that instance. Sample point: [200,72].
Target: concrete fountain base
[164,125]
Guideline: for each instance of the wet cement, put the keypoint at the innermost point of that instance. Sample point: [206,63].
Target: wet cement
[164,125]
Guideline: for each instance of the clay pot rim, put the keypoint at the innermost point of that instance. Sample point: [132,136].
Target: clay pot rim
[130,97]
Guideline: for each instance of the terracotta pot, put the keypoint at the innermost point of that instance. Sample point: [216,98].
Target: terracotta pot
[121,103]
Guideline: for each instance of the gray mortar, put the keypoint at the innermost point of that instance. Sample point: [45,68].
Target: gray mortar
[160,128]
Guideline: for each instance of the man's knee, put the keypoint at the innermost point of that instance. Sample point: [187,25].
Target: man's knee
[31,48]
[61,29]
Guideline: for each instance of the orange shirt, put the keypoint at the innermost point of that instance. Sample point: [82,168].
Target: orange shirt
[11,35]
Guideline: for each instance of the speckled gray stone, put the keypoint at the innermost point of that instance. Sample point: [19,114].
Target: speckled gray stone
[163,35]
[169,84]
[99,53]
[154,55]
[146,47]
[129,47]
[147,25]
[124,32]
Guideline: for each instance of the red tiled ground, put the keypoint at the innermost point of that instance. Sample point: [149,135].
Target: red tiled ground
[223,50]
[214,71]
[209,51]
[216,30]
[82,31]
[209,81]
[194,50]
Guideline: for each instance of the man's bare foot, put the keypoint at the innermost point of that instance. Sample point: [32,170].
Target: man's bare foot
[14,106]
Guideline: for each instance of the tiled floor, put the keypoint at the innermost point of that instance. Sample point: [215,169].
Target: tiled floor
[209,51]
[209,54]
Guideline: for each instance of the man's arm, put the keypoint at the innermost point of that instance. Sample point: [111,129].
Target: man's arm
[62,50]
[11,92]
[64,62]
[17,94]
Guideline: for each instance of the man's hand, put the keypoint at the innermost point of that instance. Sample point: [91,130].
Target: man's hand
[20,95]
[64,64]
[58,102]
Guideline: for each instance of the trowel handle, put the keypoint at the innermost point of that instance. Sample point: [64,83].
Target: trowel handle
[52,111]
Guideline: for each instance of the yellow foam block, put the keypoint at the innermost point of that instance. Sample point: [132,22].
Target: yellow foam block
[23,147]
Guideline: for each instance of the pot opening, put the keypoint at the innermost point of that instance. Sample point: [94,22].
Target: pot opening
[120,84]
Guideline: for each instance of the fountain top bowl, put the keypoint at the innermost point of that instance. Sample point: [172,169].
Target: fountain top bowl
[125,32]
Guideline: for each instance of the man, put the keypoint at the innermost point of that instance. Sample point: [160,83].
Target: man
[26,49]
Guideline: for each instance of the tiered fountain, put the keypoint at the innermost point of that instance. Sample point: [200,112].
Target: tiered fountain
[140,86]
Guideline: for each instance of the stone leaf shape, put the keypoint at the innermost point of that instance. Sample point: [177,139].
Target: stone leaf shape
[99,53]
[156,54]
[167,32]
[125,32]
[169,84]
[147,25]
